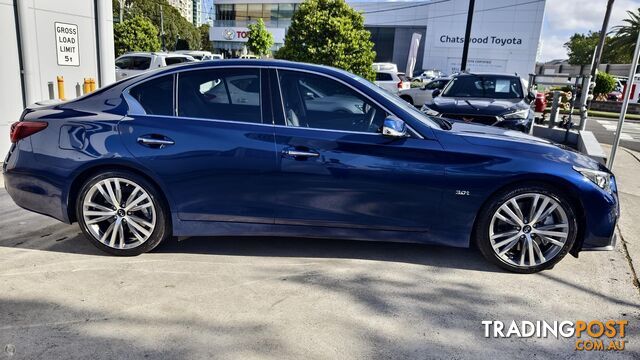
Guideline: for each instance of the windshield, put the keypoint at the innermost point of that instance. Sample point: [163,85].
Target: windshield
[417,114]
[484,86]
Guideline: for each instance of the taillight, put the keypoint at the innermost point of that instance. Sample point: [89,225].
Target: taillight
[400,84]
[22,129]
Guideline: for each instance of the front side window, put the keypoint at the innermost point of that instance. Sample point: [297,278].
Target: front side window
[221,94]
[320,102]
[155,96]
[124,63]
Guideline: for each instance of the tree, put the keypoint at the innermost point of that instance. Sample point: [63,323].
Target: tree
[605,84]
[330,32]
[135,34]
[205,43]
[625,36]
[582,46]
[260,39]
[175,26]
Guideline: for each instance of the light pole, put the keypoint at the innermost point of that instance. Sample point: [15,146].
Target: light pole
[467,36]
[625,103]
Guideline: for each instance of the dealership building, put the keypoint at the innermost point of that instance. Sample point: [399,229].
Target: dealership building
[505,33]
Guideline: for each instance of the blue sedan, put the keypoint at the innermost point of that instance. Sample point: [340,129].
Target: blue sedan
[262,148]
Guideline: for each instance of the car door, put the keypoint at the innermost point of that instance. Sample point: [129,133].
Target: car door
[216,157]
[336,169]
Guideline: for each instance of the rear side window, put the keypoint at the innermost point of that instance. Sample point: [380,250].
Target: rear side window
[140,63]
[155,96]
[175,60]
[221,94]
[383,77]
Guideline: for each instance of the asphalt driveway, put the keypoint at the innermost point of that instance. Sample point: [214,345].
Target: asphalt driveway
[286,298]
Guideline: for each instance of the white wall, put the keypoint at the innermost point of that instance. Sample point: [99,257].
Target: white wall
[500,18]
[39,42]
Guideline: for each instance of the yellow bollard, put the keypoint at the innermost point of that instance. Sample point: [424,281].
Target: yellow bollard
[92,84]
[85,86]
[60,87]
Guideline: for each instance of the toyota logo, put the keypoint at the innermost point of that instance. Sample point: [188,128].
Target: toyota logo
[228,34]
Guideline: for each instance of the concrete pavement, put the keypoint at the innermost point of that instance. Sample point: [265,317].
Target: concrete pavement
[281,298]
[626,167]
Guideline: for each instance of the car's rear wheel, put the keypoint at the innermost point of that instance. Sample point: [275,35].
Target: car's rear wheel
[526,229]
[122,213]
[407,99]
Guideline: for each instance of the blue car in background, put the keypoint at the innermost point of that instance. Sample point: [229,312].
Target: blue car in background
[500,100]
[256,147]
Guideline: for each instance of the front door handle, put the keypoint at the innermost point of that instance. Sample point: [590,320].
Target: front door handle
[299,153]
[155,142]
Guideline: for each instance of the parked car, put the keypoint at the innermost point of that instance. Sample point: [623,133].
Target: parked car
[200,55]
[428,75]
[152,157]
[248,56]
[135,63]
[391,81]
[499,100]
[422,95]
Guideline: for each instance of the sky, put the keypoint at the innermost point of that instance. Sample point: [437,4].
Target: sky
[563,18]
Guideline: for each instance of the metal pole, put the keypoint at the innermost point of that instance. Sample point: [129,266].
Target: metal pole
[164,47]
[584,96]
[625,103]
[467,36]
[121,10]
[603,36]
[28,52]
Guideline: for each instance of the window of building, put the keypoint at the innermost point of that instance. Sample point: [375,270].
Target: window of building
[155,96]
[221,94]
[323,103]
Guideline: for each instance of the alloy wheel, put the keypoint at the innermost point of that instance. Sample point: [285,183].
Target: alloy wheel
[529,230]
[119,213]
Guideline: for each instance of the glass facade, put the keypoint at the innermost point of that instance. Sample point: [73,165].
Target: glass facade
[273,15]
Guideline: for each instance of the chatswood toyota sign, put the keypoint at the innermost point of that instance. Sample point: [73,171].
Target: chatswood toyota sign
[487,41]
[241,34]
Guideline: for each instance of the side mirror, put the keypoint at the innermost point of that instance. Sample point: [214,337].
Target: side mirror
[435,93]
[394,127]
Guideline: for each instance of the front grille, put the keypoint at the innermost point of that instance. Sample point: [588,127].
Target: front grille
[478,119]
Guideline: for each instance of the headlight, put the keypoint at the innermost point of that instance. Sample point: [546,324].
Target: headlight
[520,114]
[600,178]
[429,111]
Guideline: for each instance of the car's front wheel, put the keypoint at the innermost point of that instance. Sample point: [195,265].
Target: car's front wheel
[122,213]
[527,228]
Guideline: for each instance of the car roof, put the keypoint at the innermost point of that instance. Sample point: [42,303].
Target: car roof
[144,53]
[245,63]
[486,74]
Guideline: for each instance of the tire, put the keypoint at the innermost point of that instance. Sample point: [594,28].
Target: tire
[141,214]
[511,244]
[407,99]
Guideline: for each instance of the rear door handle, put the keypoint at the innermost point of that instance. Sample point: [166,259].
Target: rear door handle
[155,142]
[299,153]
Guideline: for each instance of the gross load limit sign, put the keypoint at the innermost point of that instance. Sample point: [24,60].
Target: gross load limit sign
[67,44]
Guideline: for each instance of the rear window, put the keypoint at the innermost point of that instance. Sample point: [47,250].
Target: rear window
[155,96]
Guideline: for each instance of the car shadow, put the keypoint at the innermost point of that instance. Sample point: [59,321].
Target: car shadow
[419,254]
